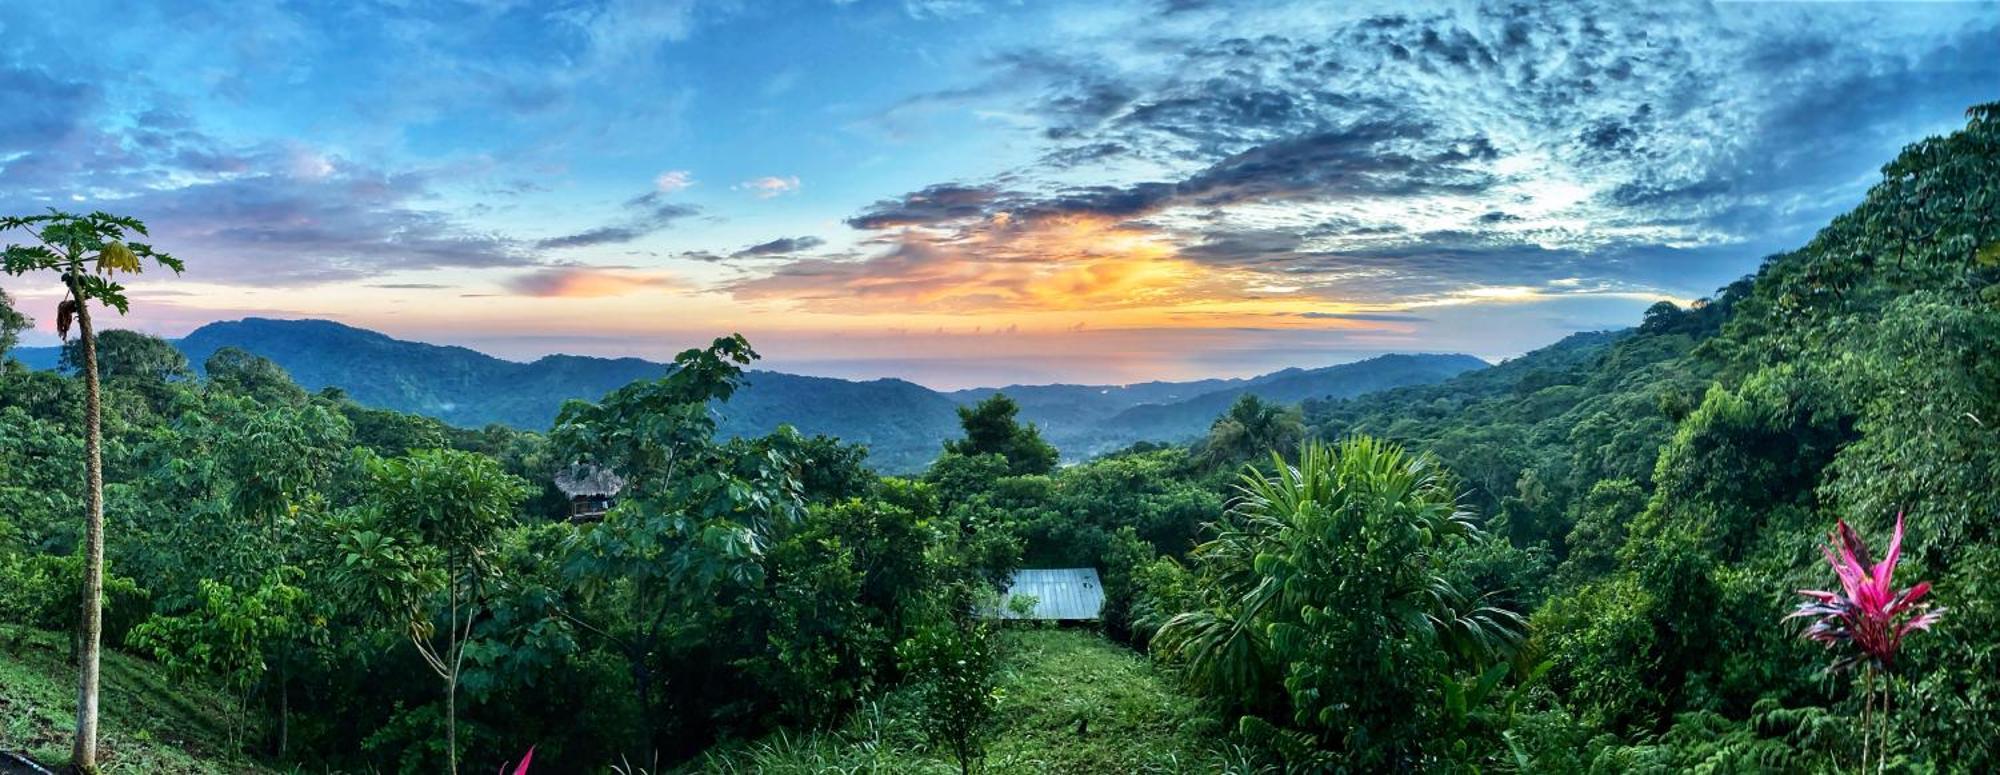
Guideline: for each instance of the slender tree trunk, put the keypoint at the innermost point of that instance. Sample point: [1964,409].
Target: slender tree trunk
[1867,718]
[451,718]
[642,684]
[450,665]
[1882,747]
[83,756]
[284,700]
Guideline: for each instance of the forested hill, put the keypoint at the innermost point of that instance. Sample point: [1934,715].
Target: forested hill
[903,424]
[1672,482]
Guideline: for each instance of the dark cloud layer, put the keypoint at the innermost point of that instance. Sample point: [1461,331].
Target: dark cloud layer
[1595,143]
[939,203]
[275,229]
[257,214]
[647,214]
[781,246]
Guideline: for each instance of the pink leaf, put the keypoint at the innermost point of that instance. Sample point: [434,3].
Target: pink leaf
[1887,567]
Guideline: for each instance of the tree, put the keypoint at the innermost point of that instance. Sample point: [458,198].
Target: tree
[1662,318]
[227,635]
[235,370]
[130,356]
[11,324]
[87,251]
[422,553]
[990,428]
[695,516]
[1334,604]
[1252,428]
[954,664]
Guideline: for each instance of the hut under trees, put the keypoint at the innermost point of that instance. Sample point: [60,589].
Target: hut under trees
[592,491]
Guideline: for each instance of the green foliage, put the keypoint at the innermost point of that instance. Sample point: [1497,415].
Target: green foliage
[130,356]
[12,323]
[1335,603]
[954,664]
[1251,429]
[226,636]
[1070,701]
[88,250]
[46,590]
[420,556]
[991,429]
[1654,497]
[154,726]
[823,640]
[42,464]
[234,370]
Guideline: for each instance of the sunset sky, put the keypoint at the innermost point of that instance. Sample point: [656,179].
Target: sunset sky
[965,192]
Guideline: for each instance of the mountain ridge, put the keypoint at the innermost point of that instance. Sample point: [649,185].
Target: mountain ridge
[902,422]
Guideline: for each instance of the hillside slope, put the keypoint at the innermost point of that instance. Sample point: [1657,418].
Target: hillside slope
[1677,478]
[149,726]
[1181,420]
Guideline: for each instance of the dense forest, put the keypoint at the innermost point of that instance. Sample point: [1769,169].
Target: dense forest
[1580,560]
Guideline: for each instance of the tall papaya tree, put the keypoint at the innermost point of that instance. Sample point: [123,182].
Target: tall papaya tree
[87,252]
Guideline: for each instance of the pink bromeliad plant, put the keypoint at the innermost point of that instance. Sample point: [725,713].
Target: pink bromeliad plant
[1867,620]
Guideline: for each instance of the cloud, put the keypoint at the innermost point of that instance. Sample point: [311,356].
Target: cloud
[1077,264]
[1270,151]
[258,214]
[939,203]
[779,247]
[647,213]
[1372,317]
[673,180]
[1379,153]
[268,228]
[588,282]
[770,186]
[942,9]
[626,32]
[43,110]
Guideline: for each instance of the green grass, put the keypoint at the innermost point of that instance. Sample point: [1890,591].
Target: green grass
[1051,681]
[147,724]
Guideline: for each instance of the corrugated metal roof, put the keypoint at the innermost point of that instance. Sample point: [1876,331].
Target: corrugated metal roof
[1060,593]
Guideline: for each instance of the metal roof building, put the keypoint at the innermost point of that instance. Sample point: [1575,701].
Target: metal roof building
[1061,594]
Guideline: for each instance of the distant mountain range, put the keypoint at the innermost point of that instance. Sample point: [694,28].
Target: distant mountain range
[903,423]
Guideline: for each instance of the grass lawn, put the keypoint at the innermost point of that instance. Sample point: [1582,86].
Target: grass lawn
[1072,702]
[147,724]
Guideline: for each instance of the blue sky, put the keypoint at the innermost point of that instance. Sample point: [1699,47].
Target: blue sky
[962,191]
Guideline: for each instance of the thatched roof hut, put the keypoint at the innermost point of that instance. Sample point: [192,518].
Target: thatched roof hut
[588,480]
[592,490]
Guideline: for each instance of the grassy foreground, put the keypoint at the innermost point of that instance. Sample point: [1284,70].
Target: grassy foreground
[148,724]
[1072,702]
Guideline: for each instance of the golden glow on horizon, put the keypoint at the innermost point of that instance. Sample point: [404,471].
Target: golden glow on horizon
[1013,275]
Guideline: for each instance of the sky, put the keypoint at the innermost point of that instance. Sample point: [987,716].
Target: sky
[967,192]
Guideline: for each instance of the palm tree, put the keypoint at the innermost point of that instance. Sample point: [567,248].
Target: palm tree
[87,251]
[1252,428]
[1337,575]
